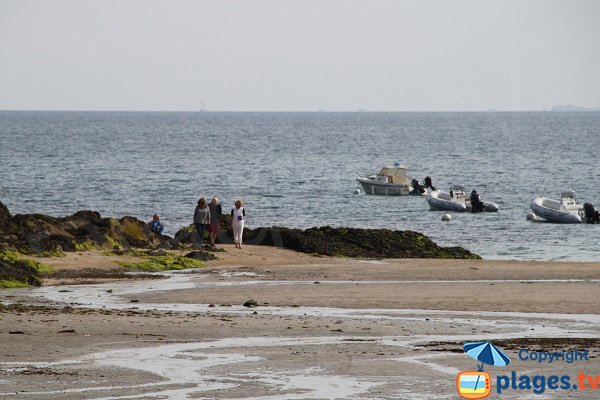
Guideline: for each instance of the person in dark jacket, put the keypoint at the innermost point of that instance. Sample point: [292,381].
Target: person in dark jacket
[215,219]
[201,220]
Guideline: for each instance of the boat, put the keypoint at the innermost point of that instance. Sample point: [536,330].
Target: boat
[456,200]
[566,210]
[391,181]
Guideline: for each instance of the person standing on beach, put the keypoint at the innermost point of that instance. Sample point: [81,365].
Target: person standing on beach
[215,219]
[201,219]
[238,215]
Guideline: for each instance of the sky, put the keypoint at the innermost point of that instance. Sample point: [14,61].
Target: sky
[294,55]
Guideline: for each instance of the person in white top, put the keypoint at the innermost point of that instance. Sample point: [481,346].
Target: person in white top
[238,214]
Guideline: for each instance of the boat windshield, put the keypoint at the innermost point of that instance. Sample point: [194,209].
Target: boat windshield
[391,171]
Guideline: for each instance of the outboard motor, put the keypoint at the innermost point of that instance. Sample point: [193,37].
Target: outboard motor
[476,203]
[417,187]
[415,184]
[428,183]
[591,215]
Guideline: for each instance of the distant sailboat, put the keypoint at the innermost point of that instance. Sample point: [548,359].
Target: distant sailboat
[203,109]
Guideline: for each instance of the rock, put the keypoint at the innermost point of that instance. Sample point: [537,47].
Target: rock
[84,230]
[4,213]
[201,255]
[250,303]
[18,270]
[345,242]
[355,242]
[157,253]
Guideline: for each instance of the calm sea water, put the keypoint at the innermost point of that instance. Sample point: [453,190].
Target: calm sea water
[299,169]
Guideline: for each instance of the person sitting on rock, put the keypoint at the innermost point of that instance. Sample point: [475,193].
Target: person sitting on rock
[156,226]
[476,203]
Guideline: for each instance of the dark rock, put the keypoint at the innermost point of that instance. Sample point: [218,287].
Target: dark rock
[342,242]
[354,242]
[4,213]
[201,255]
[250,303]
[84,230]
[19,270]
[16,333]
[67,331]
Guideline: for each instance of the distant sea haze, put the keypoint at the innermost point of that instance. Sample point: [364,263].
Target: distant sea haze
[571,107]
[299,169]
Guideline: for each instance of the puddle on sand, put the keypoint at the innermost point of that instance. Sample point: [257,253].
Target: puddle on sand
[198,368]
[190,364]
[111,296]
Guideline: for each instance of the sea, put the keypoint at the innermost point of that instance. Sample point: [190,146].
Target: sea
[299,169]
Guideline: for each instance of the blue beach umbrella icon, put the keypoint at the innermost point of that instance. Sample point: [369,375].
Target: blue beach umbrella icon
[486,353]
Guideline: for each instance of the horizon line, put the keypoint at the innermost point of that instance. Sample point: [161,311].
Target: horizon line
[358,110]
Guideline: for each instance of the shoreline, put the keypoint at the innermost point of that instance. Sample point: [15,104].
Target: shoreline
[366,329]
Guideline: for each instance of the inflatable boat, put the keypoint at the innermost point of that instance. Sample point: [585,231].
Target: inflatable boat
[457,200]
[565,210]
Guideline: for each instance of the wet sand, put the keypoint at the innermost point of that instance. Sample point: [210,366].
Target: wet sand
[363,331]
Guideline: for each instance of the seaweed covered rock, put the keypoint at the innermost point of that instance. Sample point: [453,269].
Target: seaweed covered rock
[4,213]
[364,243]
[16,271]
[342,242]
[84,230]
[201,255]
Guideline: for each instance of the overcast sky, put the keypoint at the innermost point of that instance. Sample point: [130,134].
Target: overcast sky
[299,55]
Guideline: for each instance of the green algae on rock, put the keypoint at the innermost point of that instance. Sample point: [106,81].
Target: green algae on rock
[82,231]
[17,271]
[163,263]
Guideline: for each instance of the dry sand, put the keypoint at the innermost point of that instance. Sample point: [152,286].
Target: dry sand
[361,332]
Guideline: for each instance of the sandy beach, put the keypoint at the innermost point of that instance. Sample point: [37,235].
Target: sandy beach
[321,327]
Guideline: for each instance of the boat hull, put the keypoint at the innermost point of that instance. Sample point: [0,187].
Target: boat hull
[383,189]
[437,202]
[552,214]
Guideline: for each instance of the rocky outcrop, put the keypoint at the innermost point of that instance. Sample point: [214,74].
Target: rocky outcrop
[36,233]
[341,242]
[355,242]
[84,230]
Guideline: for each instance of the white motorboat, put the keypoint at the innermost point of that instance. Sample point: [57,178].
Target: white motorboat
[391,181]
[565,210]
[457,200]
